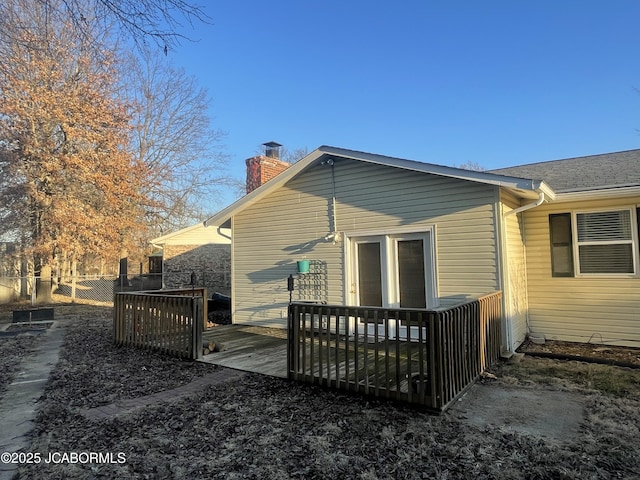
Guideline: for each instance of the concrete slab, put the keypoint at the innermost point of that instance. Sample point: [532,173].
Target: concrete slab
[555,415]
[19,402]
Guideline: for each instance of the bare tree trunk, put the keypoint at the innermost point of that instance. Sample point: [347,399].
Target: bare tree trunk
[24,272]
[65,268]
[55,273]
[123,279]
[74,276]
[43,282]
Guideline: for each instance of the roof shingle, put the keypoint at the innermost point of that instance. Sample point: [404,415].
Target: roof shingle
[594,172]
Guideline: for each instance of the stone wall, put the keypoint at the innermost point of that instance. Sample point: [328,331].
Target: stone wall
[211,264]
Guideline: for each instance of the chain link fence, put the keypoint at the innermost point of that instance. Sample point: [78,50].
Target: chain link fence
[80,288]
[101,288]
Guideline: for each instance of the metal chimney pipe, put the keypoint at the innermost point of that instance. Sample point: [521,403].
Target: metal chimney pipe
[272,150]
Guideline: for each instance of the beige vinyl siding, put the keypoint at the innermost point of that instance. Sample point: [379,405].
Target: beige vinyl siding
[292,222]
[600,309]
[270,236]
[197,235]
[375,198]
[515,295]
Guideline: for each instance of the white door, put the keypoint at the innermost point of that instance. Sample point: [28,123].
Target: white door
[394,271]
[370,275]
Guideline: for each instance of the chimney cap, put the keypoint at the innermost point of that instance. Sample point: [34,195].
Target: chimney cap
[272,149]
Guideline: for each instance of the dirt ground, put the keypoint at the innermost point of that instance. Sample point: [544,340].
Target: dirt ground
[595,351]
[266,428]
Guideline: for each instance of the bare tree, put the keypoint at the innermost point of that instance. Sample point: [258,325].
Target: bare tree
[293,156]
[471,165]
[173,137]
[239,187]
[140,20]
[69,183]
[284,154]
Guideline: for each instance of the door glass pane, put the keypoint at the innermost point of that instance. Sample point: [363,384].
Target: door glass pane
[369,274]
[411,277]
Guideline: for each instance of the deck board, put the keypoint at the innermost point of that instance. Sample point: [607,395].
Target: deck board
[264,350]
[249,348]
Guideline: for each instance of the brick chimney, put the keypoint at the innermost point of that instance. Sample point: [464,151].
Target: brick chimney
[262,168]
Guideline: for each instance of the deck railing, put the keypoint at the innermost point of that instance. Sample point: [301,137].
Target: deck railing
[170,321]
[427,357]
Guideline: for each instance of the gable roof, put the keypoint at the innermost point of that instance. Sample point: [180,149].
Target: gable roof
[194,235]
[522,187]
[579,174]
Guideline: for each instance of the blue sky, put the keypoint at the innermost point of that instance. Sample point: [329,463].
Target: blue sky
[498,83]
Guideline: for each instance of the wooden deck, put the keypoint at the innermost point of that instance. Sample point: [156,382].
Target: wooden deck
[264,350]
[355,364]
[436,356]
[249,348]
[421,356]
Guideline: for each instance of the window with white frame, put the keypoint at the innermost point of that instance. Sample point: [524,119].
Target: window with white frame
[599,242]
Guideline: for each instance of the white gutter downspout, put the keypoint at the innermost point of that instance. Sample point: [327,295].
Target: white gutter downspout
[333,221]
[528,206]
[219,231]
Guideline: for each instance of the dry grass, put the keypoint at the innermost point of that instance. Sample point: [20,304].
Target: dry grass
[63,309]
[573,375]
[265,428]
[12,351]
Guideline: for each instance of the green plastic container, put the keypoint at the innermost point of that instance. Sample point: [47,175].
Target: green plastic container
[303,266]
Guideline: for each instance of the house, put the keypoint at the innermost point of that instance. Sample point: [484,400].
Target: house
[205,251]
[582,263]
[559,239]
[196,249]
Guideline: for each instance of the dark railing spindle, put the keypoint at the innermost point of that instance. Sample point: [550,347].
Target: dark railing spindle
[444,351]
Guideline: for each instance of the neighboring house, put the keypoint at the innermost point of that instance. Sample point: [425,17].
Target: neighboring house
[196,249]
[207,252]
[559,239]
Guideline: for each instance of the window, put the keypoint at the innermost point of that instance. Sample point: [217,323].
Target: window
[605,242]
[596,242]
[561,247]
